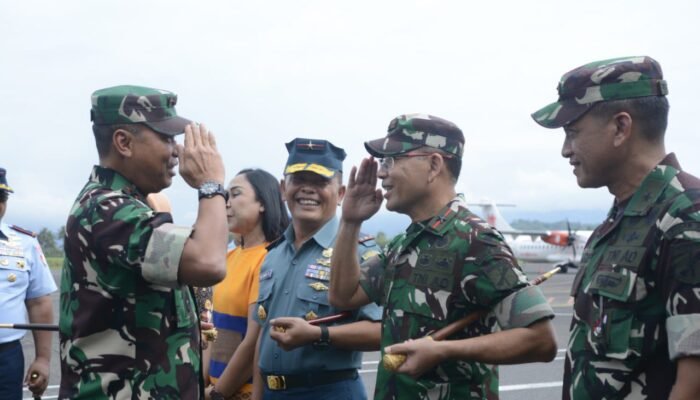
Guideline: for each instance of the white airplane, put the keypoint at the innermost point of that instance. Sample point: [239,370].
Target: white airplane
[563,248]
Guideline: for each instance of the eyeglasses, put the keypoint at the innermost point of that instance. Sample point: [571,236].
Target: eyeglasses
[387,163]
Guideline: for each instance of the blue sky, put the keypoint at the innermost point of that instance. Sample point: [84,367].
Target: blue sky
[261,73]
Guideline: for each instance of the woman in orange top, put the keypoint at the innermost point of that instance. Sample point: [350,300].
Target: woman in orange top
[256,213]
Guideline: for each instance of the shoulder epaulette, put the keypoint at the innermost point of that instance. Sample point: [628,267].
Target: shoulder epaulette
[22,230]
[364,238]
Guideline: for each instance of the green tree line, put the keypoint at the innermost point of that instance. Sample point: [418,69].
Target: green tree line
[52,243]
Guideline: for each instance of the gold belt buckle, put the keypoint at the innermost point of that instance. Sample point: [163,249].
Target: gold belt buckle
[276,382]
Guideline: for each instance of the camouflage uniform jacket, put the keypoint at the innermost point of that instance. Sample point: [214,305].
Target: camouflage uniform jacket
[637,293]
[128,330]
[435,273]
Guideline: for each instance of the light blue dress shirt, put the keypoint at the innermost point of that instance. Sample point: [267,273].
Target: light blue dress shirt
[291,285]
[24,275]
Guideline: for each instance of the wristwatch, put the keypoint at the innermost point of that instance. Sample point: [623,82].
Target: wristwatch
[325,340]
[216,395]
[210,189]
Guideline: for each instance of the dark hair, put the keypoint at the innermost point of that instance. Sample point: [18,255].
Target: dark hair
[104,133]
[651,113]
[3,196]
[267,191]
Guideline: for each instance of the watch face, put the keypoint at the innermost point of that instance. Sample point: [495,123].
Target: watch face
[208,188]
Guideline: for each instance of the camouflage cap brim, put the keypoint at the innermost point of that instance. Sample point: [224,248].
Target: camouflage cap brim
[607,80]
[560,113]
[387,146]
[172,126]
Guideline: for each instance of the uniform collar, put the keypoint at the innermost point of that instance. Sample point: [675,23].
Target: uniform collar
[324,237]
[439,223]
[115,181]
[652,186]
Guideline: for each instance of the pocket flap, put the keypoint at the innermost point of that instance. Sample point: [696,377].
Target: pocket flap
[613,284]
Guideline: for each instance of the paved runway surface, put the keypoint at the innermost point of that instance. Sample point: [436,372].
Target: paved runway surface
[522,382]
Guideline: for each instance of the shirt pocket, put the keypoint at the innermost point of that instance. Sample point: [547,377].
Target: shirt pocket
[14,273]
[313,301]
[615,330]
[416,311]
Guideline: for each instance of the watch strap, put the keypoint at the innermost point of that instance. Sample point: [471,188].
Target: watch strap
[325,339]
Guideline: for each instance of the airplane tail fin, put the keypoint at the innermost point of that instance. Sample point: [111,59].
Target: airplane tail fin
[491,214]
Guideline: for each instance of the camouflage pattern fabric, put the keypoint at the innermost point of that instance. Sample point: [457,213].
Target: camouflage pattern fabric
[637,293]
[614,79]
[124,336]
[435,273]
[413,131]
[128,104]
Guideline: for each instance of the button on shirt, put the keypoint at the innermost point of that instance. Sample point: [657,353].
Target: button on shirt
[294,284]
[24,275]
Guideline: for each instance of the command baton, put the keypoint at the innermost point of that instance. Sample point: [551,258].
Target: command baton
[31,327]
[392,362]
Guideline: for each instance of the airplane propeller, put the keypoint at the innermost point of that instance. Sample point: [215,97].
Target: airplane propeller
[571,238]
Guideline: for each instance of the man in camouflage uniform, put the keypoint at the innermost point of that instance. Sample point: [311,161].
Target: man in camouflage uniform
[447,265]
[128,326]
[635,332]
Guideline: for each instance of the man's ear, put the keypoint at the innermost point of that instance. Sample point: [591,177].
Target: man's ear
[436,164]
[341,194]
[623,128]
[123,142]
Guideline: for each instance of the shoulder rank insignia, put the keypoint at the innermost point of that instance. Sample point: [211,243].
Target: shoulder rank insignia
[327,253]
[22,230]
[318,286]
[369,254]
[310,315]
[262,314]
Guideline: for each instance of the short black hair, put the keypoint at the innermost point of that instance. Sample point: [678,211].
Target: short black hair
[4,196]
[103,135]
[267,191]
[651,113]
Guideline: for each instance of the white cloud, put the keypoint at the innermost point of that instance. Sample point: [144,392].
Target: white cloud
[261,74]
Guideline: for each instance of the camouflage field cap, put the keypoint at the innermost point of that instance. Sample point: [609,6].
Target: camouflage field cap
[315,155]
[411,131]
[4,187]
[126,104]
[614,79]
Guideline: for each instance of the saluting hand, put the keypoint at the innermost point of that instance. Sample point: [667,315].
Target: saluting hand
[291,332]
[200,160]
[421,355]
[362,198]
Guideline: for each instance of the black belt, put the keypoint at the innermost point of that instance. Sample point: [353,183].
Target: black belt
[8,345]
[284,382]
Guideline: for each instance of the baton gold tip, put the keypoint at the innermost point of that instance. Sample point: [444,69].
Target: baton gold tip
[392,362]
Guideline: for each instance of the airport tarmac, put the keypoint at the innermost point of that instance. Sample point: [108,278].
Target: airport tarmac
[540,381]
